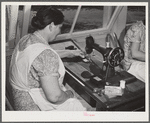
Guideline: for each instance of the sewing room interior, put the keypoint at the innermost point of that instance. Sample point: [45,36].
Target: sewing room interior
[99,77]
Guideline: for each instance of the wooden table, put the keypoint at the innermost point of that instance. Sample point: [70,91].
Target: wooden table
[78,77]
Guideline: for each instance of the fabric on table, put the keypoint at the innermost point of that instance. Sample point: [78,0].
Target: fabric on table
[139,67]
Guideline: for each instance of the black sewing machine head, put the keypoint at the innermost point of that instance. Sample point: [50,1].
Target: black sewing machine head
[90,45]
[111,56]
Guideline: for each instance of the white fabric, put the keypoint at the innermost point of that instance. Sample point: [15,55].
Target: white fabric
[19,69]
[71,104]
[137,69]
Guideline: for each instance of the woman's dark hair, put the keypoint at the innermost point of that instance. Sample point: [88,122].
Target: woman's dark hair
[46,15]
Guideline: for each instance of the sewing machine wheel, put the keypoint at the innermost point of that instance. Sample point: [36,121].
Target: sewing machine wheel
[115,57]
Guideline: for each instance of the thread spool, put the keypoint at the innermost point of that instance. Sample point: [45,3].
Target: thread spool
[122,84]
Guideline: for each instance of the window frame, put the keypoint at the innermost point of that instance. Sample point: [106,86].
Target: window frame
[107,24]
[109,19]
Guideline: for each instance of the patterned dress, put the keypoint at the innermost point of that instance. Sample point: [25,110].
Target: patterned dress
[45,63]
[131,36]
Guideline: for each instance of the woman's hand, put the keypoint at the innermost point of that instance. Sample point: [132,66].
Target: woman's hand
[69,93]
[70,53]
[76,53]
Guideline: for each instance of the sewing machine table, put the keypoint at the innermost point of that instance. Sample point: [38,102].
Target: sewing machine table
[77,76]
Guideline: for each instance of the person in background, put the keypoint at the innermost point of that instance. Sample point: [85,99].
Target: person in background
[134,48]
[37,71]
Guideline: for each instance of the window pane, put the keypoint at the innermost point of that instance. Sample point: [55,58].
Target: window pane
[90,17]
[135,13]
[69,13]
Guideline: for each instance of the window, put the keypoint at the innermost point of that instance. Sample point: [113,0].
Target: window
[135,13]
[90,17]
[69,13]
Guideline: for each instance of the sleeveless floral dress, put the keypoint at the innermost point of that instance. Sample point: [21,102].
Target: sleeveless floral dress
[136,29]
[45,63]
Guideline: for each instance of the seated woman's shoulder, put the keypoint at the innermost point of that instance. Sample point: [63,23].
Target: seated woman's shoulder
[137,26]
[27,40]
[24,42]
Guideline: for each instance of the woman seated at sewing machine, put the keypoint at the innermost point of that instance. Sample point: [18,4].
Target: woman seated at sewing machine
[134,48]
[36,70]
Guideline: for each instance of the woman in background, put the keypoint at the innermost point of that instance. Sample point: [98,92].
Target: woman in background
[134,47]
[36,70]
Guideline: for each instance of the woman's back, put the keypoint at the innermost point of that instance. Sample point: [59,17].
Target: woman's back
[22,99]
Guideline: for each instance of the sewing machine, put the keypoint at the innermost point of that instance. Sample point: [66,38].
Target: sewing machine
[112,58]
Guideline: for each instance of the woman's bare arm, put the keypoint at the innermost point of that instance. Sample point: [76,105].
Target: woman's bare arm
[136,53]
[52,90]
